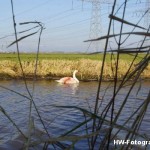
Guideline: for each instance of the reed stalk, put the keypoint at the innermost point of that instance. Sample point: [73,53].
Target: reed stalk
[123,76]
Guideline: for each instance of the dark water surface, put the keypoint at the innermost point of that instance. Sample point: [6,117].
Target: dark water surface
[59,120]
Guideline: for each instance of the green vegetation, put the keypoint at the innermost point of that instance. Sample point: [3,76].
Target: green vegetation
[63,56]
[102,116]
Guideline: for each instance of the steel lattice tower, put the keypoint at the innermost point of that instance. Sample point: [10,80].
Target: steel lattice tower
[96,22]
[147,16]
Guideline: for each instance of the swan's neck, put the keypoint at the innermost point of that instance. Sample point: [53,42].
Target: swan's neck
[74,76]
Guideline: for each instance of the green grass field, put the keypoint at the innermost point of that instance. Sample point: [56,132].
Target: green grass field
[63,56]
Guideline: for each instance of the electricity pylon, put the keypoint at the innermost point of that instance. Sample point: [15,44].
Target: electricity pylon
[96,22]
[147,16]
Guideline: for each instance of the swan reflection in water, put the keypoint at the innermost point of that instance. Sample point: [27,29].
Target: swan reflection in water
[69,88]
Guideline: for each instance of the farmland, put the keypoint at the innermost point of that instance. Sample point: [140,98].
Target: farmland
[58,65]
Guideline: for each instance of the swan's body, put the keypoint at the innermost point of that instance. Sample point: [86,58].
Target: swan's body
[69,80]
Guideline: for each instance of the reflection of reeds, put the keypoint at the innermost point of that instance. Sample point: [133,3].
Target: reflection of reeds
[88,69]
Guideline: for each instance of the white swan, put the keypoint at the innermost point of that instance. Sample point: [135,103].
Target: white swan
[69,80]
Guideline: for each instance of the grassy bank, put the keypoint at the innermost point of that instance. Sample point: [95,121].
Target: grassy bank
[88,69]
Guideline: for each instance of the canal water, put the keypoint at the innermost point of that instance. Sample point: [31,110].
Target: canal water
[48,94]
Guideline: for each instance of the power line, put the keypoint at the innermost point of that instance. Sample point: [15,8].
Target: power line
[74,23]
[96,22]
[70,24]
[147,16]
[28,10]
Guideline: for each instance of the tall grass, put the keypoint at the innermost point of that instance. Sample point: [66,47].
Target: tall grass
[97,118]
[52,69]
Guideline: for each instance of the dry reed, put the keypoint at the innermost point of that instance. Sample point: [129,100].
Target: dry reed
[88,69]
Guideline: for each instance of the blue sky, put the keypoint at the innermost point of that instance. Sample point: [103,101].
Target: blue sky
[67,24]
